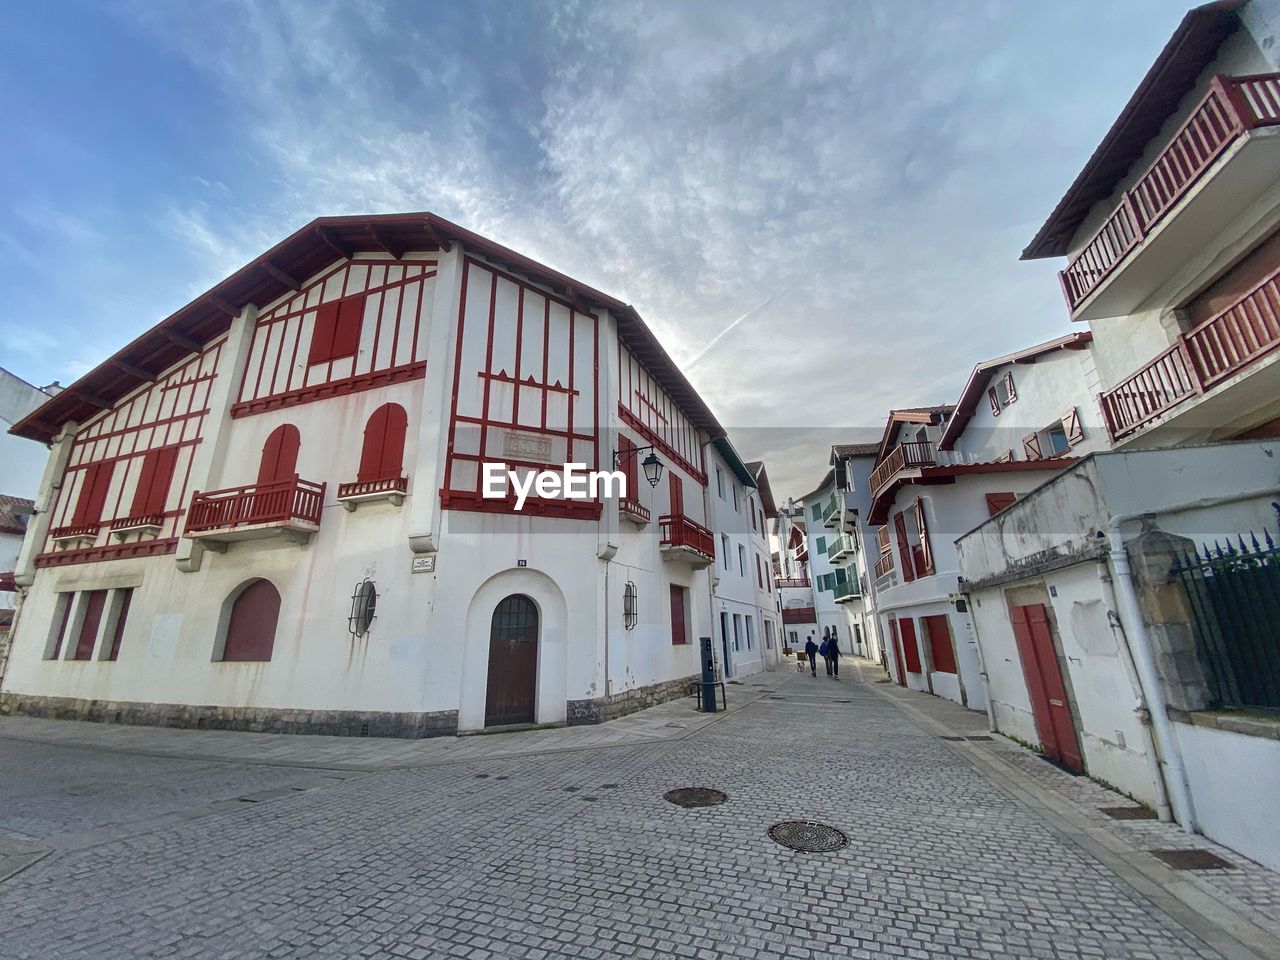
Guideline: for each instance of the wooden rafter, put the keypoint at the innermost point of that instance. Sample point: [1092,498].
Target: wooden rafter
[291,282]
[328,240]
[134,370]
[94,400]
[179,340]
[382,243]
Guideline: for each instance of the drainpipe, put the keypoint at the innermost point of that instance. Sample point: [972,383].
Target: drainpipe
[1163,810]
[1140,645]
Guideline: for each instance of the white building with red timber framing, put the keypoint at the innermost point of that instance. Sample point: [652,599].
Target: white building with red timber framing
[268,512]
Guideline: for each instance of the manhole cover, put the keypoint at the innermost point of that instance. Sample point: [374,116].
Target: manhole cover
[807,836]
[1129,813]
[695,797]
[1192,859]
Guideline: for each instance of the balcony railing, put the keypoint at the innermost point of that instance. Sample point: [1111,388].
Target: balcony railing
[634,511]
[368,488]
[846,589]
[76,531]
[782,583]
[1223,345]
[884,565]
[799,615]
[679,531]
[280,503]
[831,514]
[1232,106]
[913,453]
[840,547]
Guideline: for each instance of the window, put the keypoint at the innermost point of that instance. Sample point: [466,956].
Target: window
[382,456]
[768,634]
[1005,389]
[1055,439]
[793,635]
[759,574]
[364,606]
[998,501]
[115,623]
[737,507]
[93,494]
[719,483]
[679,611]
[737,632]
[629,456]
[724,549]
[58,629]
[751,510]
[904,547]
[910,651]
[337,330]
[924,565]
[280,455]
[90,619]
[630,606]
[251,618]
[675,490]
[822,545]
[816,512]
[938,630]
[742,561]
[152,491]
[751,636]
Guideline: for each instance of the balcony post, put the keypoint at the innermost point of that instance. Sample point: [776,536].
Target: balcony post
[1234,104]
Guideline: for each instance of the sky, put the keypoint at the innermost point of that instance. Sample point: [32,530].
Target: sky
[817,207]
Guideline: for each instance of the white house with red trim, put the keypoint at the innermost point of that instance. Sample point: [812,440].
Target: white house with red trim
[941,471]
[792,581]
[272,510]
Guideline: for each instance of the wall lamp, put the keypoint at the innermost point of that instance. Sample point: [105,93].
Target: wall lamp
[651,464]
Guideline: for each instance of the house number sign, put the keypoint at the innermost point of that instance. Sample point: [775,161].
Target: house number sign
[425,564]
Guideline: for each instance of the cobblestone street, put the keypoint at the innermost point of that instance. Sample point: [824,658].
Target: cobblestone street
[570,852]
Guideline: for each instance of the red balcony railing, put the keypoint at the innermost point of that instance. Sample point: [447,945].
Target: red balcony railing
[913,453]
[363,488]
[782,583]
[279,502]
[883,565]
[75,530]
[799,615]
[679,531]
[1223,345]
[130,523]
[634,508]
[1232,106]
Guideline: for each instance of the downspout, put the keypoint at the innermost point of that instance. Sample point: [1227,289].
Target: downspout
[1163,810]
[1140,645]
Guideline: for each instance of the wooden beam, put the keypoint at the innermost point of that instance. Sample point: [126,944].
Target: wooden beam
[382,243]
[280,275]
[185,342]
[439,241]
[327,238]
[222,305]
[94,399]
[133,370]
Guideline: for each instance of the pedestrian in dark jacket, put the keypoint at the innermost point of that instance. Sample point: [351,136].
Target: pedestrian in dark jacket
[833,657]
[811,651]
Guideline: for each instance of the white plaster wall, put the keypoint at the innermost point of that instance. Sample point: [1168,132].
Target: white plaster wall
[1234,781]
[1005,685]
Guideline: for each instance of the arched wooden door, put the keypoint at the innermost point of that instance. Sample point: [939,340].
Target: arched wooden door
[513,662]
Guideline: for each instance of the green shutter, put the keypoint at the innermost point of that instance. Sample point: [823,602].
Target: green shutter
[817,511]
[822,544]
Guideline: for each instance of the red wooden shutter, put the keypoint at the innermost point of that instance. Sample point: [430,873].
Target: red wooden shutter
[940,646]
[94,603]
[627,454]
[994,400]
[1071,424]
[904,548]
[1031,446]
[118,634]
[677,495]
[910,651]
[322,334]
[998,501]
[346,331]
[280,454]
[251,630]
[926,549]
[66,599]
[896,643]
[1010,393]
[382,457]
[93,494]
[678,635]
[153,482]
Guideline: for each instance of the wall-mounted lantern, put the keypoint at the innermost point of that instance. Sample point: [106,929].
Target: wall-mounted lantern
[651,464]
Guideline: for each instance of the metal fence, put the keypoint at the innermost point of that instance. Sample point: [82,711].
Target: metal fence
[1234,593]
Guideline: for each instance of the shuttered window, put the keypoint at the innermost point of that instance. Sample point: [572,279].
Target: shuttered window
[152,492]
[337,330]
[125,598]
[938,630]
[280,455]
[628,456]
[675,489]
[94,602]
[926,548]
[382,456]
[910,651]
[904,548]
[93,494]
[251,627]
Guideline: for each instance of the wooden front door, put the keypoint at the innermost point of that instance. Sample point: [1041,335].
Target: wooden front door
[513,662]
[1045,686]
[897,651]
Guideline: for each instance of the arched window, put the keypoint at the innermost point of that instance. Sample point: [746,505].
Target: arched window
[280,455]
[251,625]
[382,457]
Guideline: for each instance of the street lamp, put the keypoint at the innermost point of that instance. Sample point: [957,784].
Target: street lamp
[651,464]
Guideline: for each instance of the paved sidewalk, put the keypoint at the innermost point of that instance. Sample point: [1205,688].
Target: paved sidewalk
[1249,890]
[672,720]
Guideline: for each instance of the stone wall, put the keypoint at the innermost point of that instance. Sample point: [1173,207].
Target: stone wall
[333,723]
[601,709]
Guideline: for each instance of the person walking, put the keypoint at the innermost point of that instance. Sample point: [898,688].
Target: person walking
[825,648]
[811,651]
[833,656]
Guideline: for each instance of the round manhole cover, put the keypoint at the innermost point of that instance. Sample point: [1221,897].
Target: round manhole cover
[807,836]
[695,797]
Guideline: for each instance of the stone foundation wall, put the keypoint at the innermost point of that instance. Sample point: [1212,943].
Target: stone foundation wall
[333,723]
[628,701]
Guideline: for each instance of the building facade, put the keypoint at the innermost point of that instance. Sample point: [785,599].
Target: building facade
[274,510]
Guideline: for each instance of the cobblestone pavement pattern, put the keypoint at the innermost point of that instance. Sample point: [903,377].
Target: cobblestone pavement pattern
[571,854]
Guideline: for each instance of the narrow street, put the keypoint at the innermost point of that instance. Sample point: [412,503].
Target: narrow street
[569,853]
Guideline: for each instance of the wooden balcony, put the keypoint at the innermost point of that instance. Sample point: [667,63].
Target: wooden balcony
[906,456]
[124,527]
[685,540]
[884,565]
[633,512]
[785,583]
[1222,346]
[391,489]
[799,615]
[75,535]
[1231,108]
[288,509]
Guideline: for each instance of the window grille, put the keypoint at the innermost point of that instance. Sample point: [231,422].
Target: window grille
[364,604]
[630,606]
